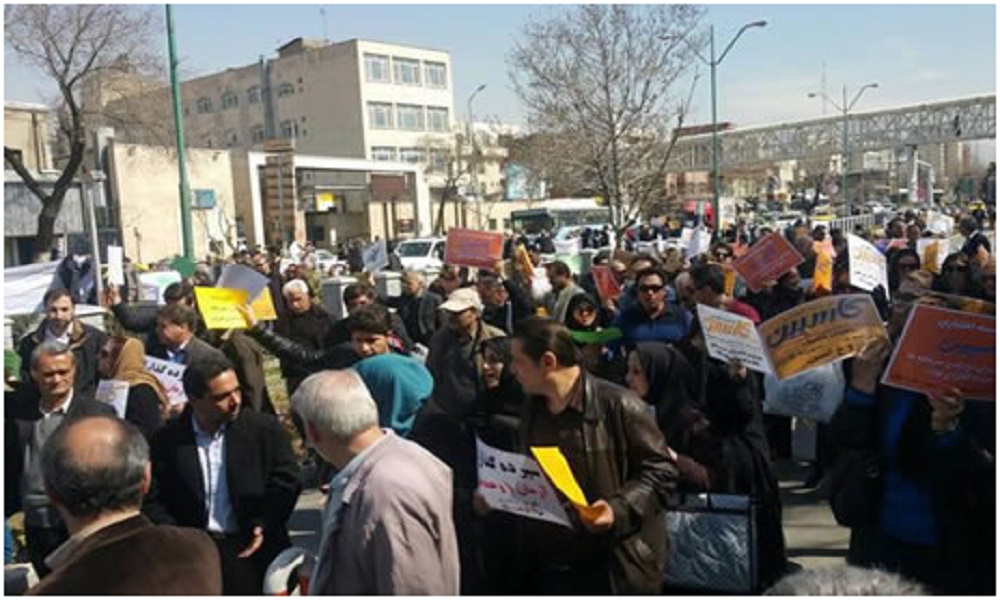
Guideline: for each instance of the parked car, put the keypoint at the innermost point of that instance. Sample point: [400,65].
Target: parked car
[421,253]
[326,260]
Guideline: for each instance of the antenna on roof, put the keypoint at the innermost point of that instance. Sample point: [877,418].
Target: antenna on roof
[326,37]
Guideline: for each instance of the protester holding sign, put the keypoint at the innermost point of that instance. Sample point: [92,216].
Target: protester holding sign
[122,359]
[927,508]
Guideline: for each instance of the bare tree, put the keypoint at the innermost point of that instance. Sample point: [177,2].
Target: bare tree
[596,81]
[70,44]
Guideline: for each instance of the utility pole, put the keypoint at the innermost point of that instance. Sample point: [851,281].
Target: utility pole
[474,163]
[185,188]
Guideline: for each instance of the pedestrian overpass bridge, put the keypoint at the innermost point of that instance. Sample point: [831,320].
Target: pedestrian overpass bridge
[960,120]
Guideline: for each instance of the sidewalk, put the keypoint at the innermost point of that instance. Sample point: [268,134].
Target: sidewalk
[812,536]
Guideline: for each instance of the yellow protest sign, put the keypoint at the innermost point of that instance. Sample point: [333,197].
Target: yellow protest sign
[263,306]
[218,307]
[555,466]
[730,281]
[823,275]
[820,332]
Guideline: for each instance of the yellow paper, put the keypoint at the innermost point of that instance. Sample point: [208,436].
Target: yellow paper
[930,258]
[263,306]
[218,307]
[823,275]
[730,281]
[555,466]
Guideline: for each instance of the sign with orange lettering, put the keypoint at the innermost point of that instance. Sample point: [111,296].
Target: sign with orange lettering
[473,248]
[769,258]
[941,349]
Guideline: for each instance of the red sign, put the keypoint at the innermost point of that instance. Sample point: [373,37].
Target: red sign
[767,260]
[941,349]
[607,285]
[473,248]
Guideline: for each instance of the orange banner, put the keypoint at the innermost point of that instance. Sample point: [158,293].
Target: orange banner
[473,248]
[768,259]
[941,349]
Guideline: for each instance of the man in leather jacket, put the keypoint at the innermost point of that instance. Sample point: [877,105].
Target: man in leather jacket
[618,543]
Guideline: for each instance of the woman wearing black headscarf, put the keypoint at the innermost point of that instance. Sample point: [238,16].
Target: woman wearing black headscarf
[661,376]
[902,261]
[586,319]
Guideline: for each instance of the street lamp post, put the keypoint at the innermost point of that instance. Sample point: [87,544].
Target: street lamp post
[845,109]
[474,163]
[713,63]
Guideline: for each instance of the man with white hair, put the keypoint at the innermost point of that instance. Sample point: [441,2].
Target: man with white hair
[305,323]
[387,526]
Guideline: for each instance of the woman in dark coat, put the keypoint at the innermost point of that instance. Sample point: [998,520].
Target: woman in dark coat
[732,402]
[123,359]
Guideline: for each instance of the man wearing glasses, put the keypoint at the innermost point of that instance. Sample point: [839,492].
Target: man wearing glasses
[652,318]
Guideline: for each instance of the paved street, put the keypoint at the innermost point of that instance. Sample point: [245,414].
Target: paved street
[812,536]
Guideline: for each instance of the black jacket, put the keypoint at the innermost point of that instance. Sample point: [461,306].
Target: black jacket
[85,342]
[419,315]
[311,329]
[628,464]
[261,473]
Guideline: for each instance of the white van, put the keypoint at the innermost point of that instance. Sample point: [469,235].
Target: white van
[421,253]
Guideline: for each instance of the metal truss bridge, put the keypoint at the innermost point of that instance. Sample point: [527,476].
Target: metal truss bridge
[937,122]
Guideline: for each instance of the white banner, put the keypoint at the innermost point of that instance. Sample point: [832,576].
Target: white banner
[940,224]
[170,375]
[113,392]
[733,336]
[814,394]
[514,483]
[569,247]
[375,256]
[867,264]
[701,241]
[24,287]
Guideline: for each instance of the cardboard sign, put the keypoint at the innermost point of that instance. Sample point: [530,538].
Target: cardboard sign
[472,248]
[867,265]
[218,307]
[116,269]
[942,349]
[605,282]
[820,332]
[963,303]
[559,472]
[171,375]
[514,483]
[375,256]
[768,259]
[729,336]
[114,393]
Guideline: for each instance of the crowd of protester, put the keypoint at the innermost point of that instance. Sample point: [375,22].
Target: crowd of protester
[392,397]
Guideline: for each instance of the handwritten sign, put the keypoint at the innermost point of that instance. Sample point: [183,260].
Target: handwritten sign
[116,269]
[114,393]
[820,332]
[729,336]
[814,394]
[514,483]
[557,468]
[472,248]
[375,256]
[171,375]
[867,265]
[218,307]
[942,349]
[769,258]
[605,282]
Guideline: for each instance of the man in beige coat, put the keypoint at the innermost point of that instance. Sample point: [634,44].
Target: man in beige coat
[387,525]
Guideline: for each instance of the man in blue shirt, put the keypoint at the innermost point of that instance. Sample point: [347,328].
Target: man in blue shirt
[653,319]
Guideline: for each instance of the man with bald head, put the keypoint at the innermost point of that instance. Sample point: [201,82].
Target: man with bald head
[96,472]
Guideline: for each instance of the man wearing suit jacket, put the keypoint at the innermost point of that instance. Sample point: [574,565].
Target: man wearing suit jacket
[96,470]
[176,341]
[228,471]
[30,417]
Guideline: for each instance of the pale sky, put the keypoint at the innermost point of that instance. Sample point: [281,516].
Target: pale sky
[915,52]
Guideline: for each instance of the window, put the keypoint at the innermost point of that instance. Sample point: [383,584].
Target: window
[411,155]
[437,119]
[232,139]
[286,89]
[289,129]
[377,68]
[435,74]
[257,134]
[438,162]
[229,100]
[383,153]
[204,105]
[380,115]
[406,71]
[253,95]
[410,117]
